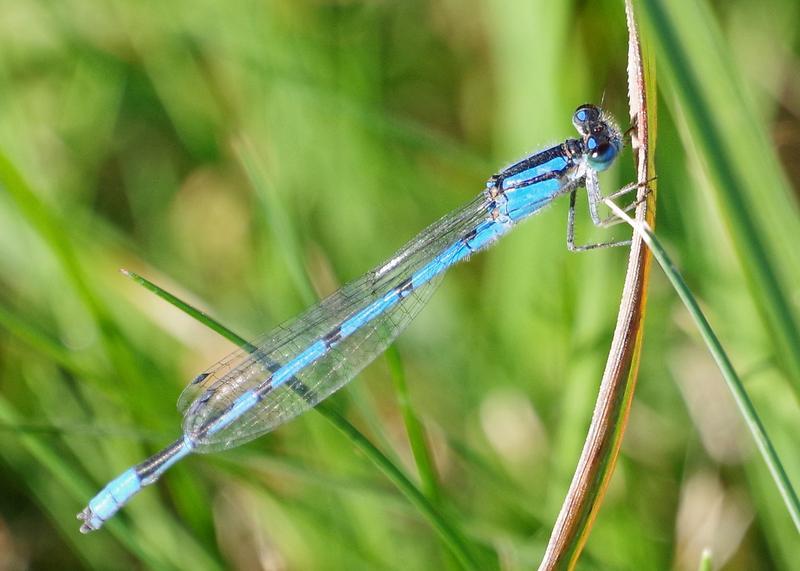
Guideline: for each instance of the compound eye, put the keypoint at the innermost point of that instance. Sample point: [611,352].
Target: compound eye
[584,116]
[601,153]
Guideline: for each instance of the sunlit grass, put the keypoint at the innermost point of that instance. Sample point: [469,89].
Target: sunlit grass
[252,157]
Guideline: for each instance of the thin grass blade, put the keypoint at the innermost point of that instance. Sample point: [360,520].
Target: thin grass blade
[746,407]
[447,530]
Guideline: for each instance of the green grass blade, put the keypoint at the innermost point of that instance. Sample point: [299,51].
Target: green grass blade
[60,469]
[285,233]
[267,152]
[737,158]
[416,432]
[447,529]
[42,219]
[39,444]
[735,385]
[51,227]
[190,310]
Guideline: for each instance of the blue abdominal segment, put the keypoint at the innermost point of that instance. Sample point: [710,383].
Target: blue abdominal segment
[122,488]
[115,495]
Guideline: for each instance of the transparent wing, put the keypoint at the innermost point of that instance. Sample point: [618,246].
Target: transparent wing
[212,392]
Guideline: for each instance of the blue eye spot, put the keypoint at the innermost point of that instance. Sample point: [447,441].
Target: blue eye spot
[584,116]
[588,120]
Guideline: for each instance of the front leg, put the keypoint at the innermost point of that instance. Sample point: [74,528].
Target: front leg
[571,246]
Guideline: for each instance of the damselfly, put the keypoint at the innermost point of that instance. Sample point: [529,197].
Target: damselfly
[292,368]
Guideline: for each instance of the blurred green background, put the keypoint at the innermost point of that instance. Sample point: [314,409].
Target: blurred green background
[253,156]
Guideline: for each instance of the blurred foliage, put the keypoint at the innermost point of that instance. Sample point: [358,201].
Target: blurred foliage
[237,152]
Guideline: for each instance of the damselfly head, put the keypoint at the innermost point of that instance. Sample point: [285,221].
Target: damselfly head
[601,138]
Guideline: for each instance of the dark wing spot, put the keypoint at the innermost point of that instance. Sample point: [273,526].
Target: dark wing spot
[332,337]
[405,288]
[264,388]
